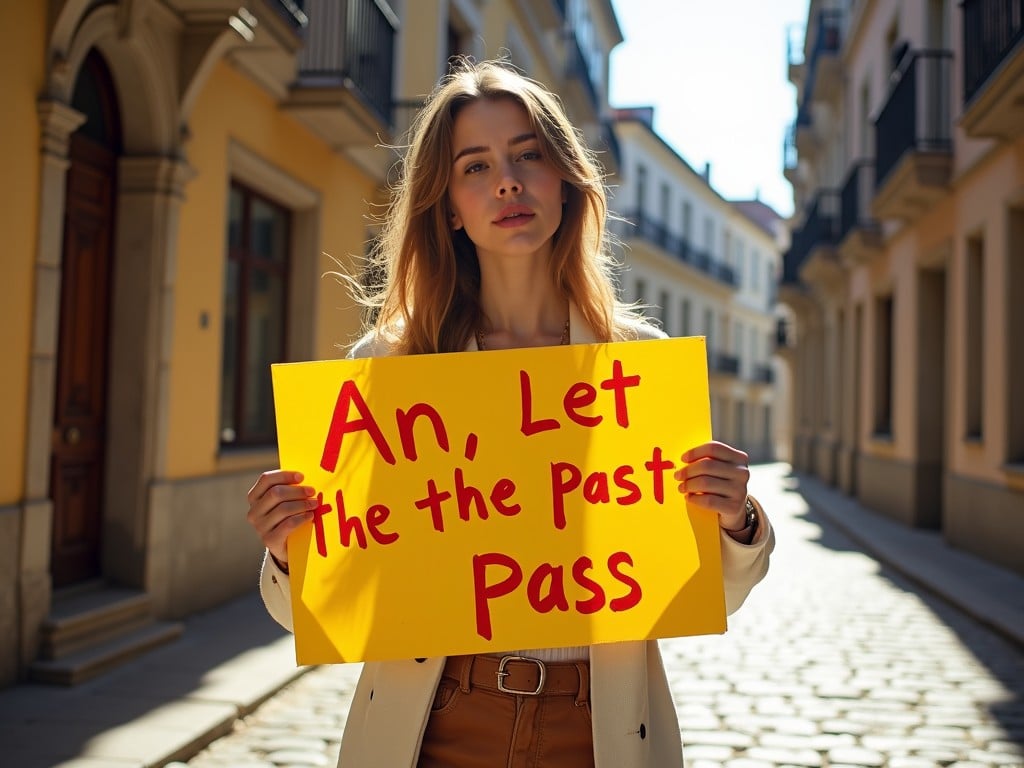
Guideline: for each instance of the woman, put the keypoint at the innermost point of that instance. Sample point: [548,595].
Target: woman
[495,240]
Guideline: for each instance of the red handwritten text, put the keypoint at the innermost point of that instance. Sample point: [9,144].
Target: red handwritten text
[497,575]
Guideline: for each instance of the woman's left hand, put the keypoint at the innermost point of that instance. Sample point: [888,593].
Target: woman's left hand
[715,477]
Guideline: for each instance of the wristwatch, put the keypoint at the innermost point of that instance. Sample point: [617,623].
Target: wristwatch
[749,521]
[751,518]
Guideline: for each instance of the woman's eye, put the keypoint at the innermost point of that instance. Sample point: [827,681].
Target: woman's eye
[474,168]
[530,154]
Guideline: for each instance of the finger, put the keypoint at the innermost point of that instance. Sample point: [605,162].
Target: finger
[288,501]
[270,479]
[716,450]
[277,537]
[707,484]
[714,468]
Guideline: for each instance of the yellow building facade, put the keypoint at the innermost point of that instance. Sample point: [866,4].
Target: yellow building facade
[906,271]
[180,175]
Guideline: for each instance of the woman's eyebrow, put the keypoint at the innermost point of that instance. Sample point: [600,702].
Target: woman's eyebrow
[520,139]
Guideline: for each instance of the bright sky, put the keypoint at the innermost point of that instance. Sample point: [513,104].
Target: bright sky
[715,71]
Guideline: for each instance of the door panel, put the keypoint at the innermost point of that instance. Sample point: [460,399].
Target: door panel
[78,439]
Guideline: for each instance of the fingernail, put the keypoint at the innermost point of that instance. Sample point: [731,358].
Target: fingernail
[297,477]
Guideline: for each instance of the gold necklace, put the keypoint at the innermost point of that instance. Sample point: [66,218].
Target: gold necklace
[562,342]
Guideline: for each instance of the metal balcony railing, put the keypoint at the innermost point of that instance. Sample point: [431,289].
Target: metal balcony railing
[855,198]
[820,228]
[992,28]
[917,115]
[826,43]
[352,42]
[764,374]
[578,69]
[293,11]
[723,363]
[646,228]
[790,155]
[783,335]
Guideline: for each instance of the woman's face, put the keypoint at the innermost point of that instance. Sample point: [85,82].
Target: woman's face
[503,191]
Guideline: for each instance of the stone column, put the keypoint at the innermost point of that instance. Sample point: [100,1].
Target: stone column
[150,192]
[57,122]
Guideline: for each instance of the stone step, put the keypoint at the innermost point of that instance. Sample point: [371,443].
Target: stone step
[93,660]
[91,615]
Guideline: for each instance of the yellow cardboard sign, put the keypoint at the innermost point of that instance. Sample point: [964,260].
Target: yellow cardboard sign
[485,502]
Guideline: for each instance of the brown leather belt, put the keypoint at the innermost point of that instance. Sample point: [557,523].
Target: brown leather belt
[520,675]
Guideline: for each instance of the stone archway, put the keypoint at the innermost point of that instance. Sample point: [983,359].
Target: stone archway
[150,180]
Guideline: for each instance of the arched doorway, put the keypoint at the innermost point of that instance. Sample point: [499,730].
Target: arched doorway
[78,444]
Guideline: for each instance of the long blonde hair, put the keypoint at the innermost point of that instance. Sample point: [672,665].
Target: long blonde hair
[429,299]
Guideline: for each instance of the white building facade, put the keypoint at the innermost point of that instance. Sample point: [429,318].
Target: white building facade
[703,266]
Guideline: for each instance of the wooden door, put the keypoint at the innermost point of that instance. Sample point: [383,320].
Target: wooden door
[79,426]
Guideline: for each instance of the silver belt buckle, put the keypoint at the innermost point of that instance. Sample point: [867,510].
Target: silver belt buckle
[502,674]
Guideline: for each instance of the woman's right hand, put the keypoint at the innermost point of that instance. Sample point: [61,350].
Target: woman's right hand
[277,506]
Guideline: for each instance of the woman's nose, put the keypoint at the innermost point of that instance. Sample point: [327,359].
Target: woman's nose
[509,185]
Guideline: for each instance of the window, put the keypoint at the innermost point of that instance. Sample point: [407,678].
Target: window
[883,365]
[1014,334]
[709,236]
[687,221]
[641,291]
[666,199]
[755,270]
[663,301]
[684,313]
[975,340]
[641,190]
[255,291]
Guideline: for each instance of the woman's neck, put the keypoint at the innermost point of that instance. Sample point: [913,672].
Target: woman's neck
[521,307]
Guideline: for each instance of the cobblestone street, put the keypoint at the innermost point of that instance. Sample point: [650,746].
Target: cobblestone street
[833,661]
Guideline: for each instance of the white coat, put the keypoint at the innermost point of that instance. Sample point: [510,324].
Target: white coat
[634,717]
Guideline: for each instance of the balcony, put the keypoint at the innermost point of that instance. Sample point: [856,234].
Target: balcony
[824,71]
[790,156]
[796,69]
[343,92]
[579,82]
[913,137]
[261,37]
[860,236]
[645,228]
[721,363]
[993,68]
[763,374]
[549,13]
[814,244]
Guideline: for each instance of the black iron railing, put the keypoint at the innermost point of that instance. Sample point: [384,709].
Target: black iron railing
[646,228]
[916,116]
[352,42]
[820,228]
[791,263]
[826,43]
[992,28]
[723,363]
[293,11]
[763,373]
[790,155]
[855,198]
[578,69]
[783,336]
